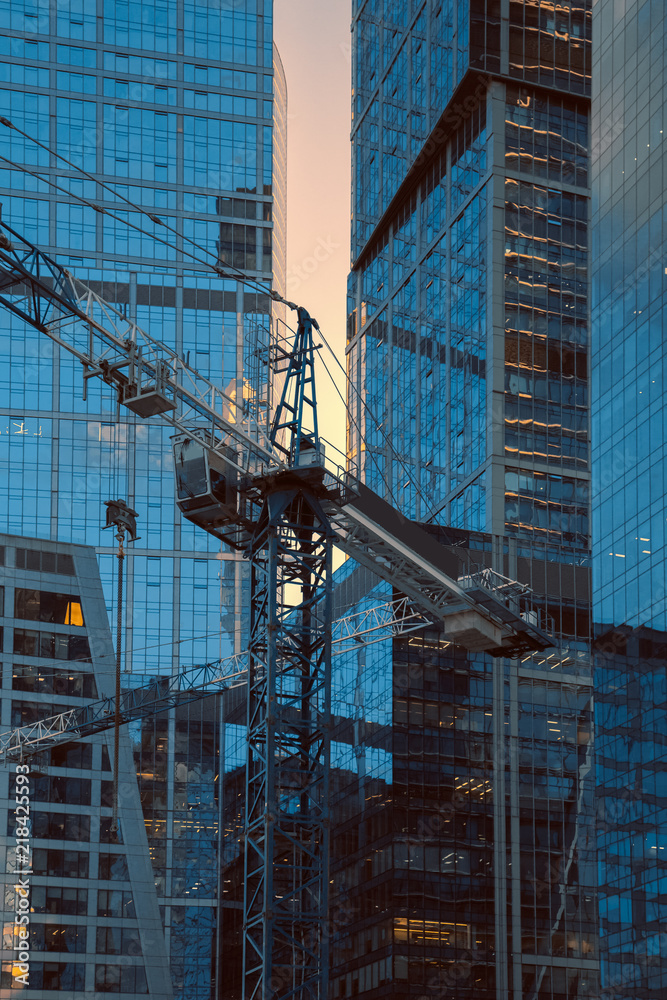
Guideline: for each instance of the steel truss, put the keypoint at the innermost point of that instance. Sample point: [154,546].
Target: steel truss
[147,376]
[160,694]
[285,940]
[362,628]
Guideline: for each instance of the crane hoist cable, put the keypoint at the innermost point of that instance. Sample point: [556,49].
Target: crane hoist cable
[237,275]
[167,243]
[350,416]
[362,437]
[171,644]
[220,271]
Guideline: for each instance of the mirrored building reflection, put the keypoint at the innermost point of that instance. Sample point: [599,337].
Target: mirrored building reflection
[179,108]
[629,464]
[94,919]
[464,859]
[171,104]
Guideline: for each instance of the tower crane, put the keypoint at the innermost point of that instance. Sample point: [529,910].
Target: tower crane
[273,495]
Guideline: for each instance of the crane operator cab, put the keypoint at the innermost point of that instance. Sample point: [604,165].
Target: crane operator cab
[207,490]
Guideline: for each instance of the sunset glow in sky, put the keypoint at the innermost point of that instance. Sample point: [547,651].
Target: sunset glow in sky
[313,37]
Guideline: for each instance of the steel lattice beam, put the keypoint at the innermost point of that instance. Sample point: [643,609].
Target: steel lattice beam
[289,706]
[112,347]
[160,694]
[397,617]
[374,624]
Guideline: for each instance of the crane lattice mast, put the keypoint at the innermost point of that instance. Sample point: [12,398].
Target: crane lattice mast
[289,706]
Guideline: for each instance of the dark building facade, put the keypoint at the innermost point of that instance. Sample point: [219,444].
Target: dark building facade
[629,466]
[95,922]
[464,860]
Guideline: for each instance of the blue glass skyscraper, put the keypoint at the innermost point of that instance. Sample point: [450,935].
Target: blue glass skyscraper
[180,107]
[629,465]
[171,103]
[465,861]
[437,248]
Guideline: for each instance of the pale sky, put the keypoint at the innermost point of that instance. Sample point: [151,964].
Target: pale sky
[313,37]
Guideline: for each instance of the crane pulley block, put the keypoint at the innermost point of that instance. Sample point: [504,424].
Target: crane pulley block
[121,517]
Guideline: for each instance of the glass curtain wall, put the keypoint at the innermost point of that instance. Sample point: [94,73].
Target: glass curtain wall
[93,917]
[180,107]
[452,771]
[468,381]
[629,464]
[171,104]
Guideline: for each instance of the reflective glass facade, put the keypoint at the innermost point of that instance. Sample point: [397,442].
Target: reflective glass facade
[176,756]
[135,913]
[460,324]
[93,912]
[629,464]
[463,860]
[181,108]
[468,364]
[172,104]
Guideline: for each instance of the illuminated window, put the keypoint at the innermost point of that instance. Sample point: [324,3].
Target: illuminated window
[44,606]
[431,932]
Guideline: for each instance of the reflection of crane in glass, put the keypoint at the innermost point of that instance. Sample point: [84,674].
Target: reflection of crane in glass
[381,621]
[271,494]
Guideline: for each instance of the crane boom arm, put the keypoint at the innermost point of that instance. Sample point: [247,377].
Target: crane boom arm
[474,613]
[160,694]
[148,376]
[153,381]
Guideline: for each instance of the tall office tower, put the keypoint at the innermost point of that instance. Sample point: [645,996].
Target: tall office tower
[93,916]
[178,107]
[465,859]
[172,104]
[629,466]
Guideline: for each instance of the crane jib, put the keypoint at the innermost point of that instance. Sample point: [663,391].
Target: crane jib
[148,377]
[151,380]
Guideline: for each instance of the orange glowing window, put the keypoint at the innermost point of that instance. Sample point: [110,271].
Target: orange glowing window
[429,932]
[73,613]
